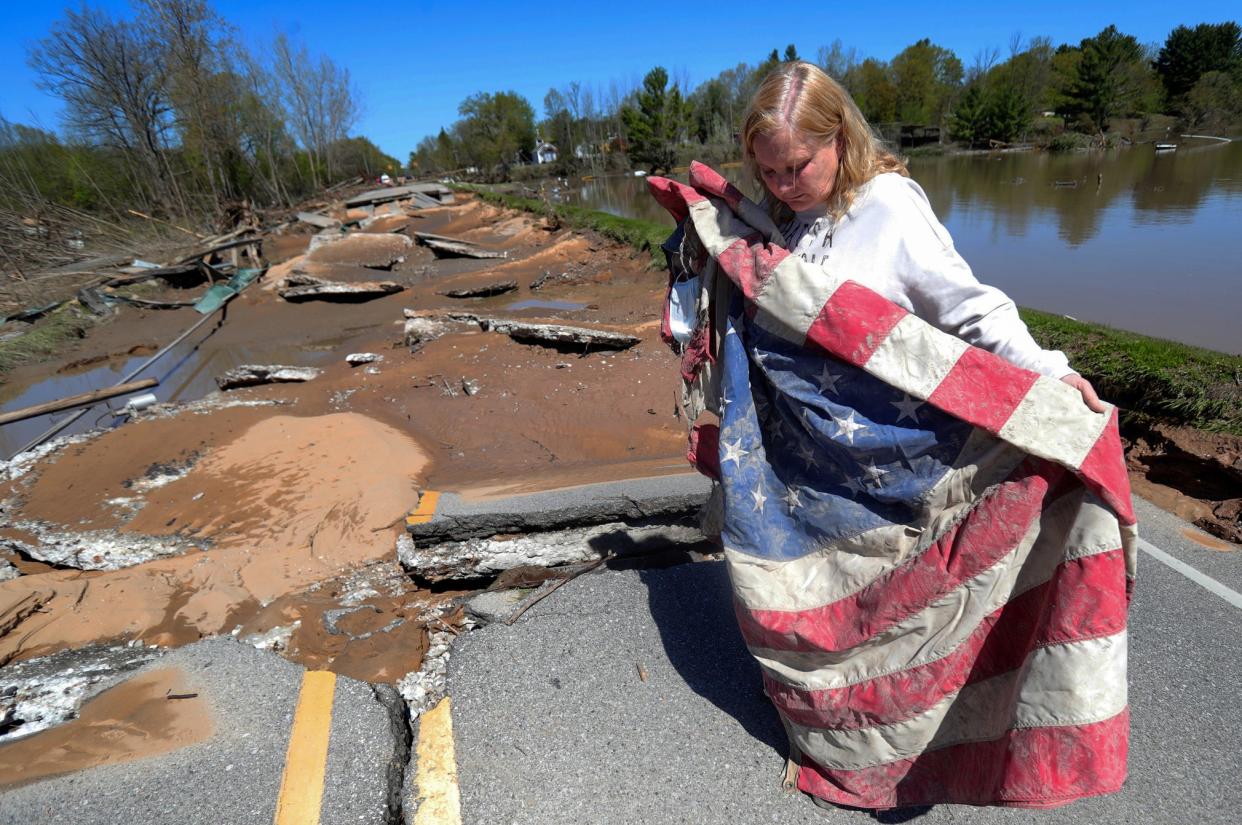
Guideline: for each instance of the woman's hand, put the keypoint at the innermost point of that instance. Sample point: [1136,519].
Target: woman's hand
[1089,397]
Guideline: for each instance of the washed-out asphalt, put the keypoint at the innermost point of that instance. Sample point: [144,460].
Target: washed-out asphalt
[627,696]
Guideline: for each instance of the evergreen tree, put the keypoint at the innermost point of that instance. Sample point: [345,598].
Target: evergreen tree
[653,128]
[1188,54]
[1111,78]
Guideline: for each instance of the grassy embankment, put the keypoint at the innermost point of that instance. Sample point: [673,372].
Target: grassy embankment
[44,338]
[1146,377]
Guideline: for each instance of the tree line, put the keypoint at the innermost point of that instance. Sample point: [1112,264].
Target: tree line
[1062,95]
[166,112]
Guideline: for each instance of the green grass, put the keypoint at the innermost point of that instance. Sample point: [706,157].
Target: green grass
[645,236]
[1149,377]
[44,337]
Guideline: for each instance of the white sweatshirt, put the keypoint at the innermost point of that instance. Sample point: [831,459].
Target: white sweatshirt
[891,241]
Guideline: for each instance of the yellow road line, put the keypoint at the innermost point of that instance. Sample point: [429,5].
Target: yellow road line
[301,788]
[426,508]
[439,802]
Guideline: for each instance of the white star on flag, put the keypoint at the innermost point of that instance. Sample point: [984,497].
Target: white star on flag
[734,452]
[828,381]
[807,453]
[848,426]
[907,408]
[791,498]
[875,472]
[759,498]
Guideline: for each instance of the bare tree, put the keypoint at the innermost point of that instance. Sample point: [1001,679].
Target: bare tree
[319,99]
[112,81]
[836,60]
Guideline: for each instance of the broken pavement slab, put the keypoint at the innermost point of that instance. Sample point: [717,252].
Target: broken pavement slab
[524,332]
[299,288]
[482,291]
[454,538]
[373,251]
[456,517]
[317,220]
[236,774]
[454,247]
[252,375]
[436,192]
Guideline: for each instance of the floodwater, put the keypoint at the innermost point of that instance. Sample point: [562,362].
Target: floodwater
[186,373]
[1139,240]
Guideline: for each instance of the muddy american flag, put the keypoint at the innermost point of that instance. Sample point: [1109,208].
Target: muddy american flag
[931,549]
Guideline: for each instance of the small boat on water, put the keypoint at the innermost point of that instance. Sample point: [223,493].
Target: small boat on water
[1165,147]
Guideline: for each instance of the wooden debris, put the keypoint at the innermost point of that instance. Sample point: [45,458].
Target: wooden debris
[308,288]
[485,291]
[252,375]
[181,275]
[78,400]
[149,303]
[94,300]
[257,240]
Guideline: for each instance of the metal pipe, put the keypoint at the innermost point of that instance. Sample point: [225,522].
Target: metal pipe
[69,420]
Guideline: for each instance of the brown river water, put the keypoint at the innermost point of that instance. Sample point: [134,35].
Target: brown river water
[1139,240]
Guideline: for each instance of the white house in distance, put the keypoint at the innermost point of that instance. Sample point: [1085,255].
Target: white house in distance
[545,153]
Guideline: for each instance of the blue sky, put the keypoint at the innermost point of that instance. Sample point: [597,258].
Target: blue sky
[415,61]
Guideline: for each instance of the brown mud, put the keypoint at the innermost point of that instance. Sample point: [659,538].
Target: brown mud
[1195,475]
[136,719]
[294,501]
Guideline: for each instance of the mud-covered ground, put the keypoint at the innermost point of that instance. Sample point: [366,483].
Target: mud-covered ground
[272,512]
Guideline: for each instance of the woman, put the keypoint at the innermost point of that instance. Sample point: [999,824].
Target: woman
[838,195]
[930,544]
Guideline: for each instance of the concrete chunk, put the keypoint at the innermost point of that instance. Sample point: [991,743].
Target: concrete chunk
[251,375]
[308,288]
[483,291]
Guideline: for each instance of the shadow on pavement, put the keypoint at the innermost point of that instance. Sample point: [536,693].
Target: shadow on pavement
[692,606]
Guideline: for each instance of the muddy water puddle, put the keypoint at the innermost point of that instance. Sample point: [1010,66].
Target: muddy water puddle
[150,714]
[556,306]
[187,373]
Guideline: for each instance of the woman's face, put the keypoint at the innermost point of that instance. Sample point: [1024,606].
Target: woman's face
[797,172]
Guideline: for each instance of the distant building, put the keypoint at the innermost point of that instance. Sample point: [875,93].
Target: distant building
[545,153]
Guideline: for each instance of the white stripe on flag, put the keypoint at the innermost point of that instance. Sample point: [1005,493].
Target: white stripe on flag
[1073,683]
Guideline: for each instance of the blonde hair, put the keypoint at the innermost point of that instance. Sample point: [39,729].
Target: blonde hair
[801,96]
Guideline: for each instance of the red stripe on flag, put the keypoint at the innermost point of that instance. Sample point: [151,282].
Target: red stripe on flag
[673,196]
[709,180]
[982,388]
[1029,768]
[749,263]
[993,529]
[704,450]
[1104,471]
[1085,599]
[854,322]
